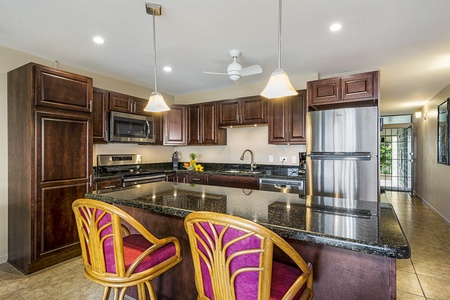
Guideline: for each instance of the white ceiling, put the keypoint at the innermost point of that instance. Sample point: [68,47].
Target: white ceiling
[407,40]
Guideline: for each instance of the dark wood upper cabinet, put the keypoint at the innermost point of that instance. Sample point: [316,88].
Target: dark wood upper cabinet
[203,125]
[362,88]
[100,105]
[127,104]
[243,111]
[50,163]
[158,127]
[175,125]
[287,119]
[54,89]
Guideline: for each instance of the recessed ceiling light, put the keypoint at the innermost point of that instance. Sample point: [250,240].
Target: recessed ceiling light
[167,69]
[98,40]
[335,27]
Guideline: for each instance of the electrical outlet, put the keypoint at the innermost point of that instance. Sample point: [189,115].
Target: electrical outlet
[283,158]
[270,158]
[294,159]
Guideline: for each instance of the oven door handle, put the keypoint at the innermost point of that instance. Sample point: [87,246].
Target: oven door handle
[146,129]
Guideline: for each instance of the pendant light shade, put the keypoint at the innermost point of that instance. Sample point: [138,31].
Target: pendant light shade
[279,84]
[156,101]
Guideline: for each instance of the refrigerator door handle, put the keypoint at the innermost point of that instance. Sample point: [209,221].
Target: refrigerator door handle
[341,155]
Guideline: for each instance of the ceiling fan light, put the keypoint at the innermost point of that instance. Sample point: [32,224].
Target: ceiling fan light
[156,103]
[278,85]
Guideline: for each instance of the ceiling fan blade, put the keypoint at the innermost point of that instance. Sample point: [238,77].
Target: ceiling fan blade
[215,73]
[255,69]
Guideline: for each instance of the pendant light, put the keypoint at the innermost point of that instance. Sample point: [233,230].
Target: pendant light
[279,84]
[156,101]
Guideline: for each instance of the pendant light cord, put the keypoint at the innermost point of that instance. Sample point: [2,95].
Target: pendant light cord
[154,49]
[279,33]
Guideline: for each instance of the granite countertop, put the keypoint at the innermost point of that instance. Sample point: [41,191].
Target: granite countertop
[262,171]
[361,226]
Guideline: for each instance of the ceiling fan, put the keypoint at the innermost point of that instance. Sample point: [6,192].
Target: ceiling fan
[235,70]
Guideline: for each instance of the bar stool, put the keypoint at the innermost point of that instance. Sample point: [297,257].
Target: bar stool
[116,258]
[233,259]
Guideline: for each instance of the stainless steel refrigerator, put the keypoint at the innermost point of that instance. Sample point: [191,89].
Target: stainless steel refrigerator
[342,153]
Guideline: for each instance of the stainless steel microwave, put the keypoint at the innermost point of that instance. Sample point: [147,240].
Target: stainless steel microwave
[130,128]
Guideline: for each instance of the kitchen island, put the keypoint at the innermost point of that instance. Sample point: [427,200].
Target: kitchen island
[353,245]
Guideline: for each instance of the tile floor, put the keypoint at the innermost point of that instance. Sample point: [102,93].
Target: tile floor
[425,276]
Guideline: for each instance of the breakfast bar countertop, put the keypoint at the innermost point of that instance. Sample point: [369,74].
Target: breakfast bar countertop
[360,226]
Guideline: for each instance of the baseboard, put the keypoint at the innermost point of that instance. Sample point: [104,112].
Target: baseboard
[3,259]
[432,208]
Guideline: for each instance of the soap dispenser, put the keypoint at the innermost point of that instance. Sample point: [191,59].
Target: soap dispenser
[175,160]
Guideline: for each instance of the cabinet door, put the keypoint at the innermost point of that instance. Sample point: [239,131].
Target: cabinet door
[121,102]
[229,112]
[100,116]
[139,105]
[63,90]
[362,86]
[194,130]
[158,127]
[63,173]
[211,133]
[175,123]
[323,91]
[253,110]
[278,123]
[297,118]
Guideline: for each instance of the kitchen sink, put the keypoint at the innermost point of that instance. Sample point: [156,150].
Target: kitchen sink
[242,172]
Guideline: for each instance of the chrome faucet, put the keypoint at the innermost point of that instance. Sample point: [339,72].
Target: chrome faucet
[252,163]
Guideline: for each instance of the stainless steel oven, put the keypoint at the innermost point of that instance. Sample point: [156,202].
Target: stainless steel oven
[130,128]
[129,167]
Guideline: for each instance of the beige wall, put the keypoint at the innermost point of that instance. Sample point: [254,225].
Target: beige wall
[432,182]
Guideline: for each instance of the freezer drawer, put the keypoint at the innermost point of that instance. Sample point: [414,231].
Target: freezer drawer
[343,178]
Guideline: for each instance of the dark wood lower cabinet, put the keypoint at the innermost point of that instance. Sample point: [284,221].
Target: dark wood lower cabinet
[234,181]
[337,273]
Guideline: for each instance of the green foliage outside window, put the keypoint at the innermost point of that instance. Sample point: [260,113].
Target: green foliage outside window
[385,158]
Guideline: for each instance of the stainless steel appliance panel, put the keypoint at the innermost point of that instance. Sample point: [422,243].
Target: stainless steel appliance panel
[342,153]
[282,185]
[349,179]
[343,130]
[131,128]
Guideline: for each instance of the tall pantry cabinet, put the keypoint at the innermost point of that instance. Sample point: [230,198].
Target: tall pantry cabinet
[49,163]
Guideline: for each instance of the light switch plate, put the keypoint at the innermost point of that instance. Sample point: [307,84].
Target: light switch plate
[294,159]
[270,158]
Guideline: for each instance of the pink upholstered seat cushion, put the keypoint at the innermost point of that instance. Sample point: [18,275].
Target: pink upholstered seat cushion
[135,244]
[283,276]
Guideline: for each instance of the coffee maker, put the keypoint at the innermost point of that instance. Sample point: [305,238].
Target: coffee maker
[302,163]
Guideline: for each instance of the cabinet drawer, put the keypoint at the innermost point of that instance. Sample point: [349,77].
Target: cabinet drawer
[198,178]
[234,181]
[108,184]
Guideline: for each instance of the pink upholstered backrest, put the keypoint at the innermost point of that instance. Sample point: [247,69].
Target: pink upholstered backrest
[98,239]
[218,244]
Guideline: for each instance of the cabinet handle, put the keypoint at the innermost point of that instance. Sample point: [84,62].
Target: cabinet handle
[109,186]
[195,179]
[90,105]
[237,118]
[90,180]
[134,107]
